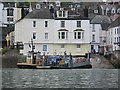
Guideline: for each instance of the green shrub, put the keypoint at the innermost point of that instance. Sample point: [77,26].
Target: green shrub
[5,50]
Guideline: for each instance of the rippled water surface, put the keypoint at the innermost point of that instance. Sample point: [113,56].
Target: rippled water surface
[62,78]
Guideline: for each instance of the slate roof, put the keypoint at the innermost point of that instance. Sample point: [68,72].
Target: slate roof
[43,13]
[115,23]
[105,21]
[99,19]
[108,6]
[105,26]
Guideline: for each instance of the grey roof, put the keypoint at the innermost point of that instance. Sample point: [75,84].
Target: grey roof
[105,26]
[108,6]
[99,19]
[43,13]
[115,23]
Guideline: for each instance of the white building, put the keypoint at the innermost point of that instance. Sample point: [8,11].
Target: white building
[54,33]
[95,36]
[1,7]
[99,25]
[10,14]
[113,36]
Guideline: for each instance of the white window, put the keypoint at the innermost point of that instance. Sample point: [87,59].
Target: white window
[46,23]
[115,31]
[10,11]
[75,35]
[46,35]
[93,27]
[58,3]
[34,23]
[113,10]
[62,23]
[78,45]
[9,19]
[78,35]
[44,47]
[62,46]
[93,38]
[62,13]
[62,35]
[82,35]
[78,23]
[115,39]
[37,6]
[34,35]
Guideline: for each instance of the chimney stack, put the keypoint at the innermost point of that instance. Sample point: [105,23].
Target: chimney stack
[86,12]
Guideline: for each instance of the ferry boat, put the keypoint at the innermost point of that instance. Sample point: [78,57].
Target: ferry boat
[37,61]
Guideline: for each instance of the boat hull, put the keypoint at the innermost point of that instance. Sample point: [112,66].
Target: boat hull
[31,66]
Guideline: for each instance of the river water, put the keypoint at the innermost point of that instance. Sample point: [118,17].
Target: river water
[61,78]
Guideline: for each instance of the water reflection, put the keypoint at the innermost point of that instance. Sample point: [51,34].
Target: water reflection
[64,78]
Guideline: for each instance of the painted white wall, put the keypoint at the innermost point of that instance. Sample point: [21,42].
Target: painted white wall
[98,30]
[1,7]
[16,15]
[24,30]
[71,25]
[111,35]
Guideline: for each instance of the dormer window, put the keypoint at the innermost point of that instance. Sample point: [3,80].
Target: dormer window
[51,6]
[37,6]
[62,14]
[118,10]
[113,10]
[107,11]
[58,3]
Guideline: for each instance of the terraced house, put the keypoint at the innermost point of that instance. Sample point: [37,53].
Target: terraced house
[55,31]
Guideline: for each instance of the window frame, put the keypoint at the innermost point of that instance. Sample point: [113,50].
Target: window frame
[62,46]
[93,38]
[46,23]
[79,35]
[10,12]
[34,23]
[78,23]
[34,35]
[10,19]
[62,24]
[45,48]
[63,37]
[78,46]
[46,36]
